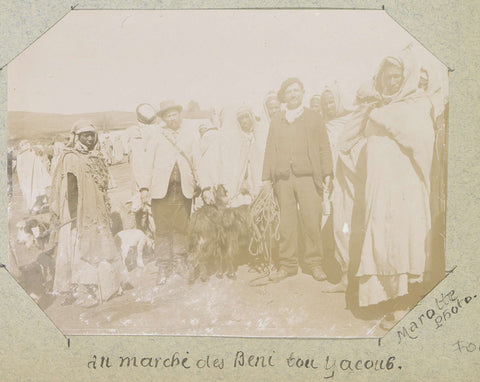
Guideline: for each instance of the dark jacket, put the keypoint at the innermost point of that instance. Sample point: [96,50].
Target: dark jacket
[278,164]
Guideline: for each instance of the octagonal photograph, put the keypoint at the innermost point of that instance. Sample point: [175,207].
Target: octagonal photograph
[251,173]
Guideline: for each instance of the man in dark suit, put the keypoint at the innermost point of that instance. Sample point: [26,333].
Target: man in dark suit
[298,162]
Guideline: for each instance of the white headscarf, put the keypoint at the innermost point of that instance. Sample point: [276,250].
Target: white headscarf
[82,126]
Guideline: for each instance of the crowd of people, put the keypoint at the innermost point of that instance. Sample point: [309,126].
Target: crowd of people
[372,172]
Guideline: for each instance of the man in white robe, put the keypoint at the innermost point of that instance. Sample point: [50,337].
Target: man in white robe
[398,157]
[210,165]
[248,163]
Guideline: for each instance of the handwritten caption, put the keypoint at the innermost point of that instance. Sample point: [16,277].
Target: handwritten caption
[447,307]
[329,366]
[467,347]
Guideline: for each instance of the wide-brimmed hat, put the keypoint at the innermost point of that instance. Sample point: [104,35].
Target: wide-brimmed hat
[167,106]
[145,113]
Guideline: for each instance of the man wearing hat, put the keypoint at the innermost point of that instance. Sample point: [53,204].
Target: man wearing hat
[169,180]
[298,163]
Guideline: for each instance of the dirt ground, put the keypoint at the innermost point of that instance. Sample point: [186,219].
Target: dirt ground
[295,307]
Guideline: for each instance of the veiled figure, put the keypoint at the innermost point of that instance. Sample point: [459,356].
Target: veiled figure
[243,155]
[398,156]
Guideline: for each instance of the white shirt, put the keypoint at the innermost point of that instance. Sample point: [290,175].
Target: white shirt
[293,114]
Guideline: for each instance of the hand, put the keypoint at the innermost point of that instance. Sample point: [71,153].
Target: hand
[267,186]
[144,196]
[327,184]
[197,191]
[244,191]
[208,196]
[327,180]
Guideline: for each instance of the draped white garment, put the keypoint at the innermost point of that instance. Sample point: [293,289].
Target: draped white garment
[33,176]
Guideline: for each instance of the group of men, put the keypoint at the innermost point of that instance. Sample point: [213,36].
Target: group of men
[361,164]
[172,168]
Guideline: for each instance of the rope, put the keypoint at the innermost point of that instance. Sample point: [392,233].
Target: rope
[264,220]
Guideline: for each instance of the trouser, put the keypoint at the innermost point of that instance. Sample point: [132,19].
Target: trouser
[171,215]
[300,202]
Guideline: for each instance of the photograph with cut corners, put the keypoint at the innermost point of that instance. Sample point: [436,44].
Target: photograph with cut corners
[261,173]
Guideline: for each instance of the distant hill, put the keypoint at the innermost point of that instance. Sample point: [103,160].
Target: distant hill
[45,126]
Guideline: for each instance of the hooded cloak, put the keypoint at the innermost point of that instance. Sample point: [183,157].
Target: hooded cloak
[244,156]
[86,252]
[398,156]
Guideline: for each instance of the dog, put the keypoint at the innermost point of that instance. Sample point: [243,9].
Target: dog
[32,232]
[41,206]
[37,276]
[134,243]
[144,221]
[217,235]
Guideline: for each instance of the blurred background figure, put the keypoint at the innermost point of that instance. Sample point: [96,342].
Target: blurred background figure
[246,157]
[11,166]
[106,147]
[138,137]
[118,149]
[271,105]
[33,175]
[316,103]
[337,225]
[210,166]
[431,85]
[139,214]
[58,147]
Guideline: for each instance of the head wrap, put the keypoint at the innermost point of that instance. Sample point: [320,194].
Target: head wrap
[205,126]
[316,97]
[24,145]
[411,75]
[334,89]
[83,126]
[264,113]
[79,127]
[245,110]
[371,90]
[271,95]
[146,114]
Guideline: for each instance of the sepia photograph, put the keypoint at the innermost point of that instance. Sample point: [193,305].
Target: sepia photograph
[247,173]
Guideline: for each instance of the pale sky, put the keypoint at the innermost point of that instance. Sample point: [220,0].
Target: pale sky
[114,60]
